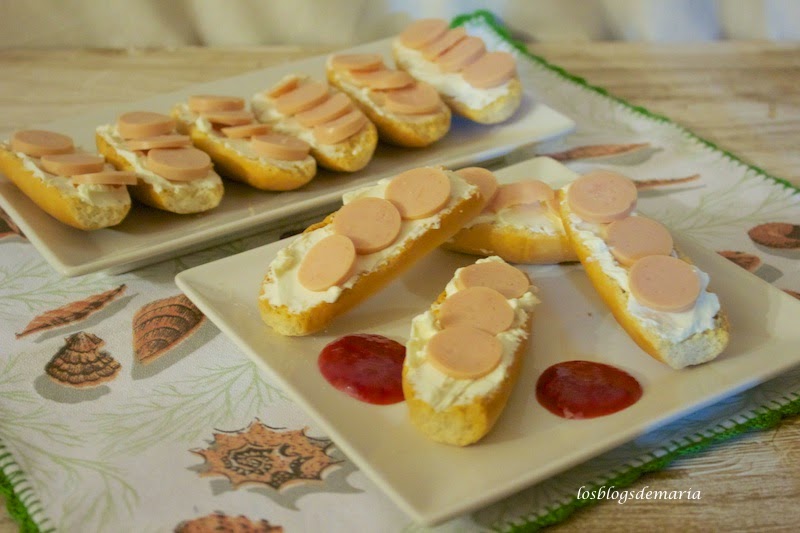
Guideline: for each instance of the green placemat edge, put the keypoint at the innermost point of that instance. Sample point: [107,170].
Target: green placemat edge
[18,510]
[490,20]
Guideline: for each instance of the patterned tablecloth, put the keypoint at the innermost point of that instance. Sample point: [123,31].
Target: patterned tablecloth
[168,426]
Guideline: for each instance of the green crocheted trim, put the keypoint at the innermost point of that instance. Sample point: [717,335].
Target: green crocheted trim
[490,20]
[16,509]
[764,420]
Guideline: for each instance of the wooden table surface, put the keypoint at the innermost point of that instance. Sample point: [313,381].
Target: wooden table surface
[743,96]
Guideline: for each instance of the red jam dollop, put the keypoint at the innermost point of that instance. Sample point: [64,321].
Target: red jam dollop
[585,389]
[367,367]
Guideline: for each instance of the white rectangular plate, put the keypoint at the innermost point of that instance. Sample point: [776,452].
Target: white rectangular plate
[433,482]
[148,235]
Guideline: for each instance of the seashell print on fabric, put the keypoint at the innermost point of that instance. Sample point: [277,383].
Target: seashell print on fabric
[80,363]
[8,228]
[268,456]
[163,324]
[220,522]
[597,151]
[72,312]
[781,235]
[747,261]
[644,185]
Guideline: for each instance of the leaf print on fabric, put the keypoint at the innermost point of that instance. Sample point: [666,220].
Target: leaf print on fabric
[220,522]
[597,151]
[182,409]
[747,261]
[8,228]
[163,324]
[71,312]
[781,235]
[81,363]
[263,455]
[643,185]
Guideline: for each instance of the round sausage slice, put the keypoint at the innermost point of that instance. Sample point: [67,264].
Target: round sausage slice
[444,43]
[483,179]
[332,108]
[244,131]
[371,223]
[327,263]
[141,124]
[178,164]
[633,238]
[37,143]
[664,283]
[477,307]
[340,129]
[602,196]
[205,103]
[423,32]
[419,193]
[358,62]
[464,353]
[71,164]
[229,118]
[160,141]
[277,146]
[491,70]
[521,192]
[106,177]
[302,98]
[502,277]
[383,79]
[284,86]
[417,99]
[465,52]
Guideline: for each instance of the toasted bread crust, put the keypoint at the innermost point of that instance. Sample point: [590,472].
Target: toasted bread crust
[253,172]
[513,244]
[286,322]
[70,209]
[186,201]
[699,348]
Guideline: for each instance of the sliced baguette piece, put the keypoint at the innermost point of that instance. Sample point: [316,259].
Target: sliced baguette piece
[85,207]
[699,347]
[462,411]
[291,310]
[348,155]
[185,197]
[485,106]
[515,244]
[410,131]
[234,160]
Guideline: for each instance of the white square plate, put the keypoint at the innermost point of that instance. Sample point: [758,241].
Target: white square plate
[148,235]
[433,482]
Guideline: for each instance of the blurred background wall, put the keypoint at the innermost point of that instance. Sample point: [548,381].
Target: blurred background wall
[158,23]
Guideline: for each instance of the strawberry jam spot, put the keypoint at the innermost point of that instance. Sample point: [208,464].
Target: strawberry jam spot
[585,389]
[367,367]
